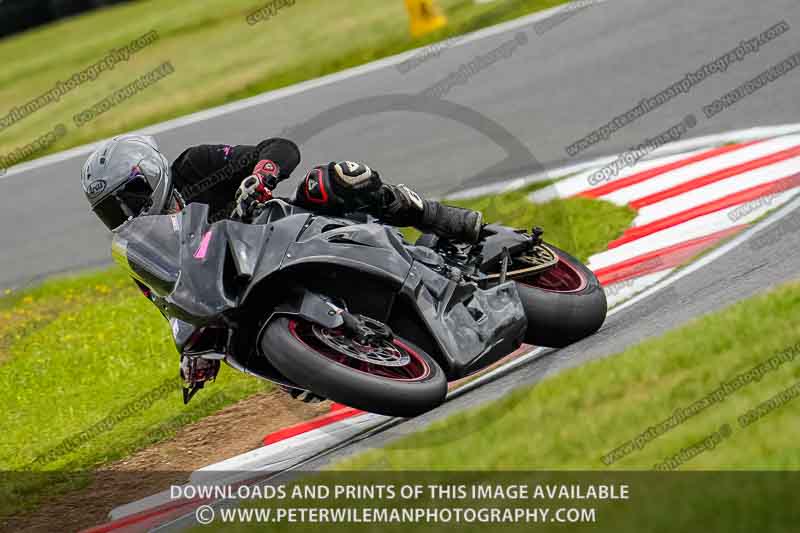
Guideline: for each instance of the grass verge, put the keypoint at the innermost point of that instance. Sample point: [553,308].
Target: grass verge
[217,56]
[75,352]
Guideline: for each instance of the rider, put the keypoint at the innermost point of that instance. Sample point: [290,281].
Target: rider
[128,176]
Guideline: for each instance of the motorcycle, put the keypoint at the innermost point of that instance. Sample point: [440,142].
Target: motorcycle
[347,309]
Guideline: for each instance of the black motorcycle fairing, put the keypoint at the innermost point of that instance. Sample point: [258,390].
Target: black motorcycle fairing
[277,209]
[213,257]
[207,266]
[148,248]
[317,244]
[427,256]
[182,333]
[496,313]
[369,248]
[200,270]
[500,237]
[471,326]
[495,317]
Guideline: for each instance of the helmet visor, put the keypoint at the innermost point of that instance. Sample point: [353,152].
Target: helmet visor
[130,200]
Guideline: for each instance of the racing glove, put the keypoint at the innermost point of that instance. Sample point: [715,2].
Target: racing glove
[343,186]
[255,190]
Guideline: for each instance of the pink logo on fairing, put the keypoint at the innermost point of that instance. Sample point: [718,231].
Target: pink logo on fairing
[203,249]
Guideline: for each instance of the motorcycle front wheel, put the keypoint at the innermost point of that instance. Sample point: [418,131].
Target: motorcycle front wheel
[389,377]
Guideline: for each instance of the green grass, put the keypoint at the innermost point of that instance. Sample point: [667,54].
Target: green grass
[573,419]
[75,351]
[217,56]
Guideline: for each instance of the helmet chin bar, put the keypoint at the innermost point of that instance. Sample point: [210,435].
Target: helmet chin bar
[163,190]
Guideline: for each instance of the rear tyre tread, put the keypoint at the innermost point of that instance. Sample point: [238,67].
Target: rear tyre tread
[558,319]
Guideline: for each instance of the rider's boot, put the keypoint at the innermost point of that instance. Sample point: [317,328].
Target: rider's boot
[404,207]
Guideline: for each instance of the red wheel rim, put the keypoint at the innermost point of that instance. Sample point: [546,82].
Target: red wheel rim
[562,277]
[415,369]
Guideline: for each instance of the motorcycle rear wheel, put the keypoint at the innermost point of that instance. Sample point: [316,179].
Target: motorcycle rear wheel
[563,304]
[389,377]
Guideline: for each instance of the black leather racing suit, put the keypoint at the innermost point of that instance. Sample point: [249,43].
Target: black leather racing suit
[211,174]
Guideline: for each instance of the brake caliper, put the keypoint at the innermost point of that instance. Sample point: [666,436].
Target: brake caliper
[366,331]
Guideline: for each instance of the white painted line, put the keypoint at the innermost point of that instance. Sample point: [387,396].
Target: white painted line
[499,371]
[621,291]
[145,504]
[288,452]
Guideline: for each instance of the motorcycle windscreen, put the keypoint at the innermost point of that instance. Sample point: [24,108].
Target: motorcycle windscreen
[148,248]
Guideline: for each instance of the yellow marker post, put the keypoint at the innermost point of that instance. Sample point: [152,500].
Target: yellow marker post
[424,17]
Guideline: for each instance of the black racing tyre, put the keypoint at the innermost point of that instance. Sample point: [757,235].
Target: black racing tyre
[395,378]
[563,304]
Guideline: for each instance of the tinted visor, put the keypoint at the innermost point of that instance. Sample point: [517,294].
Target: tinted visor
[130,200]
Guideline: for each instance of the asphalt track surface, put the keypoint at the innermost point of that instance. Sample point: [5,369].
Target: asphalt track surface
[551,91]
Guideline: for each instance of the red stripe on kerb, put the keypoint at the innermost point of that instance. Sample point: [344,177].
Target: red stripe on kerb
[304,427]
[662,259]
[136,521]
[716,176]
[731,200]
[639,177]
